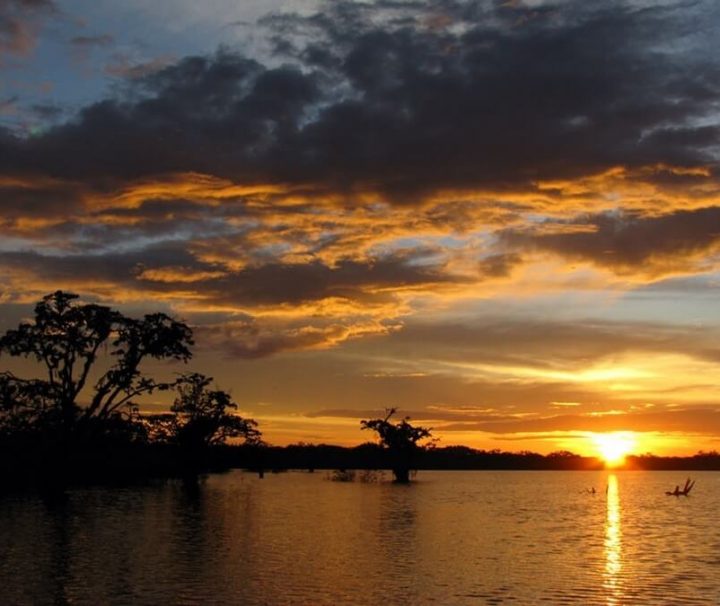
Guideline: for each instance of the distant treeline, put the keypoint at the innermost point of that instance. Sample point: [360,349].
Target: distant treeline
[123,462]
[374,456]
[702,461]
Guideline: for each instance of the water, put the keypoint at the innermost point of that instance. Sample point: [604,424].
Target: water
[297,538]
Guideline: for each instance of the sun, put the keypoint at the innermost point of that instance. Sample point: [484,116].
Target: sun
[613,447]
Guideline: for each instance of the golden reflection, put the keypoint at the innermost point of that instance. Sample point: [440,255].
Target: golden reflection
[613,544]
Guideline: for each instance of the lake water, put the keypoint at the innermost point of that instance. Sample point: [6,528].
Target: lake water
[297,538]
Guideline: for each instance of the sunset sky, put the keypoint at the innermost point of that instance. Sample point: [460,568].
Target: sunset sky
[501,217]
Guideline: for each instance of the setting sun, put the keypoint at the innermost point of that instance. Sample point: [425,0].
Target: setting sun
[613,447]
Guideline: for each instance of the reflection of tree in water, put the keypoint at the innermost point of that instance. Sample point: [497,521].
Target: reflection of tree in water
[398,534]
[60,549]
[190,539]
[91,540]
[244,536]
[206,548]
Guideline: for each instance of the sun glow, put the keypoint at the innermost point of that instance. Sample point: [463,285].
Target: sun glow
[613,447]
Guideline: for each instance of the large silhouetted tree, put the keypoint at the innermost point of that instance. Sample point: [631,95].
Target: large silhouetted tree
[400,439]
[67,339]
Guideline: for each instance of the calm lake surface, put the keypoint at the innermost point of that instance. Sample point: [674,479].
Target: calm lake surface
[297,538]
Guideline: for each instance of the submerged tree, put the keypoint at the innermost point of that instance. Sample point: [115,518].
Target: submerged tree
[66,338]
[401,441]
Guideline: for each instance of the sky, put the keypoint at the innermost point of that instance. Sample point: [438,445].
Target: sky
[502,218]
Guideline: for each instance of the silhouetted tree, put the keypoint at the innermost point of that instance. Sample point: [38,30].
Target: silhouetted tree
[202,416]
[66,339]
[401,441]
[22,403]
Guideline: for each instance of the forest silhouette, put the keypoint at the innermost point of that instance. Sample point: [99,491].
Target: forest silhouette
[48,436]
[79,420]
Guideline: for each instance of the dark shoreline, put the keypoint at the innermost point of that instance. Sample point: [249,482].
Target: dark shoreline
[459,458]
[136,465]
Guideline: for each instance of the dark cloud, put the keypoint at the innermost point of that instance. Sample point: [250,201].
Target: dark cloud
[71,271]
[404,106]
[629,242]
[251,340]
[39,200]
[153,209]
[499,265]
[279,283]
[48,112]
[211,115]
[271,283]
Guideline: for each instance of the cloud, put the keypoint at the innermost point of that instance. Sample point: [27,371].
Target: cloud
[696,420]
[253,339]
[81,47]
[123,66]
[544,344]
[47,112]
[499,265]
[392,107]
[28,198]
[214,115]
[389,156]
[8,106]
[19,24]
[691,420]
[157,266]
[92,41]
[627,243]
[177,274]
[431,413]
[348,278]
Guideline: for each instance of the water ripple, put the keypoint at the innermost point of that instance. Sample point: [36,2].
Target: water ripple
[451,538]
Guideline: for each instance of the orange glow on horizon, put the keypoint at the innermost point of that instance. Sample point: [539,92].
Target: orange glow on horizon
[614,447]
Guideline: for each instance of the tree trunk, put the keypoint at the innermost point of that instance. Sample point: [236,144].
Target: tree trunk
[402,475]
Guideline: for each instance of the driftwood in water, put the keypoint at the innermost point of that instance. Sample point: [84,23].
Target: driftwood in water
[684,492]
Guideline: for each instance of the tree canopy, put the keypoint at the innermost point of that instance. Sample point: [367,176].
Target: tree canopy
[77,414]
[400,439]
[201,417]
[66,339]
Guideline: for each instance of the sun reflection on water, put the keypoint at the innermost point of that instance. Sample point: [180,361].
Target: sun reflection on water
[613,543]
